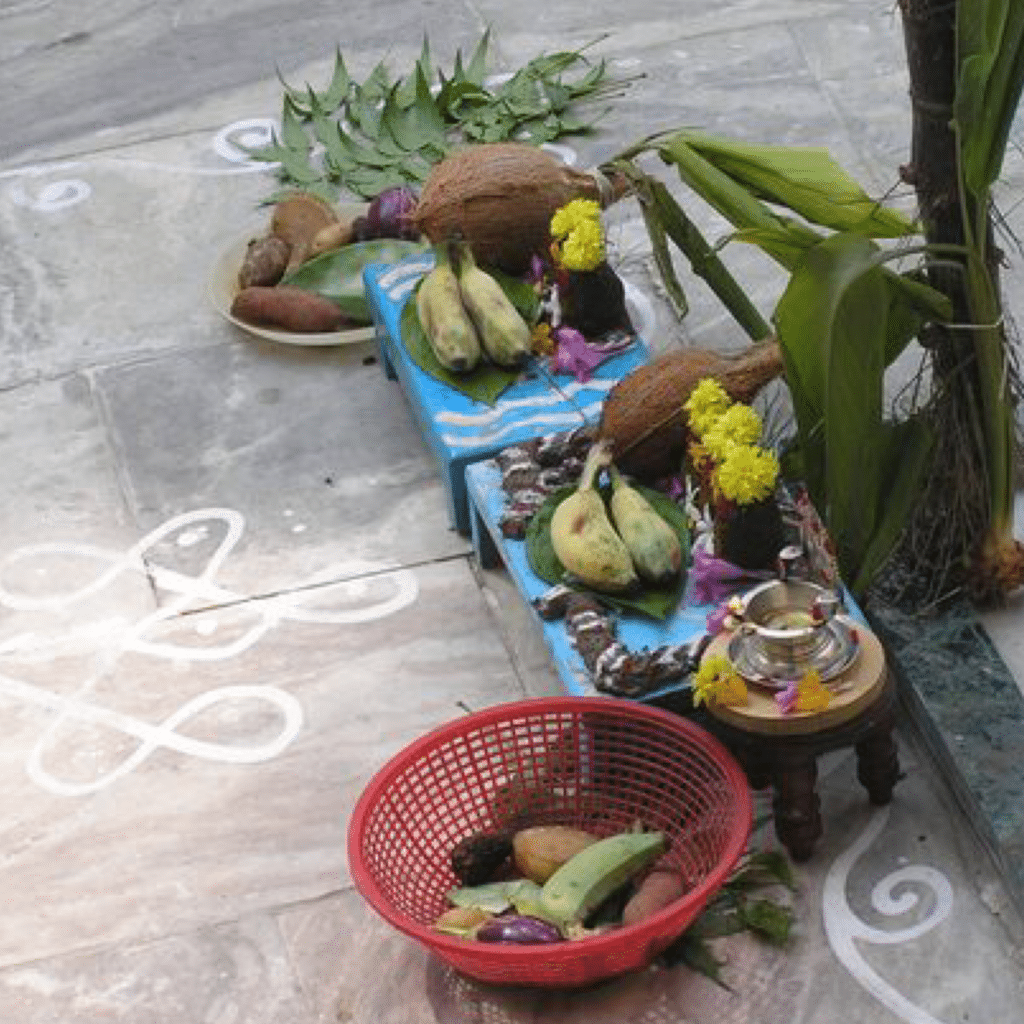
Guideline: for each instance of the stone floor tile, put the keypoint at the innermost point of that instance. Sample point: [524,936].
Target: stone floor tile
[314,450]
[225,974]
[209,771]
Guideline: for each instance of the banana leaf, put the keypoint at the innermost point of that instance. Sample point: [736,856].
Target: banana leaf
[655,602]
[835,322]
[338,275]
[483,384]
[990,44]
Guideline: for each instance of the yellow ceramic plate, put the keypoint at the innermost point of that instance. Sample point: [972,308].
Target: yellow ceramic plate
[223,287]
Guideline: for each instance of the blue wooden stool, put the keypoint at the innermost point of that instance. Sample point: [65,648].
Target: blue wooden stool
[460,430]
[685,626]
[638,632]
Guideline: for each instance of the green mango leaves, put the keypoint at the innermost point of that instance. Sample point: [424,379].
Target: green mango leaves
[364,137]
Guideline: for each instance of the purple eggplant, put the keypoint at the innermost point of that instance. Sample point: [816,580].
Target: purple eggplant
[518,930]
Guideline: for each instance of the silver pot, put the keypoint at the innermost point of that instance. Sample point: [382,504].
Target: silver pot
[788,621]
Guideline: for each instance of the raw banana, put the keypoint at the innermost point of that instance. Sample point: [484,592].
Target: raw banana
[504,334]
[583,883]
[444,319]
[652,544]
[583,537]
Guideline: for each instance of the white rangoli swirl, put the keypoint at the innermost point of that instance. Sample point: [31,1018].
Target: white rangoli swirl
[115,638]
[843,927]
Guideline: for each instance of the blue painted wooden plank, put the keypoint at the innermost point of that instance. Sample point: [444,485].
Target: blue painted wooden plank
[638,632]
[458,429]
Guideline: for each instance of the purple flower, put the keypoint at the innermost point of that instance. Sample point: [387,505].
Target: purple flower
[573,355]
[786,699]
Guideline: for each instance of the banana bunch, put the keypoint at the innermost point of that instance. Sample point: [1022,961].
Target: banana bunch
[445,322]
[613,553]
[465,313]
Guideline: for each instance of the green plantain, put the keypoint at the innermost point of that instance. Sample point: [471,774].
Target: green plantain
[583,537]
[652,544]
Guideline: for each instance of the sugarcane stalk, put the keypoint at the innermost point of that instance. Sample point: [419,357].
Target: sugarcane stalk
[662,209]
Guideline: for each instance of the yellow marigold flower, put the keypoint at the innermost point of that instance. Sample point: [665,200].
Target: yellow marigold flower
[568,217]
[717,682]
[747,474]
[700,457]
[739,424]
[583,249]
[541,339]
[707,402]
[811,693]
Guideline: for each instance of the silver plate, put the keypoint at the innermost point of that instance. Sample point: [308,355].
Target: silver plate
[835,655]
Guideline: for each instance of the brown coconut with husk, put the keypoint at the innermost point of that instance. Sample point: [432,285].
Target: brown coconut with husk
[643,415]
[500,197]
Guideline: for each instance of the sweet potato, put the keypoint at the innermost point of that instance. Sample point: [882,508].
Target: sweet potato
[660,888]
[287,308]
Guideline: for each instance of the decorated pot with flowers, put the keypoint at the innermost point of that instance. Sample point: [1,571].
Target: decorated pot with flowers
[734,477]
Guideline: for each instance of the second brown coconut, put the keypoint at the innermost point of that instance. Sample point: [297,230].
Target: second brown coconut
[643,415]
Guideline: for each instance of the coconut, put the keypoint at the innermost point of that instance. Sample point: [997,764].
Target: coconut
[499,197]
[643,414]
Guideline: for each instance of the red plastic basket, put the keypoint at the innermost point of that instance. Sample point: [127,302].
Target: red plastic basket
[596,763]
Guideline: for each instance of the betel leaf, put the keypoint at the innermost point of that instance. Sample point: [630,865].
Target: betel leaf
[520,293]
[655,602]
[483,384]
[338,275]
[767,919]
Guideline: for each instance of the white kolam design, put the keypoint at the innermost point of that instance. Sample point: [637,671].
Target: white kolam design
[844,928]
[108,641]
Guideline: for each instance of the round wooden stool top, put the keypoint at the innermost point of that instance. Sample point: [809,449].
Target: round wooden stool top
[852,691]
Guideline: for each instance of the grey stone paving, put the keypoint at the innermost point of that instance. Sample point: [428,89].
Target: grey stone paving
[228,590]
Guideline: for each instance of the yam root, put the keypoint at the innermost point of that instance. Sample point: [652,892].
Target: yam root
[297,219]
[643,415]
[287,308]
[264,263]
[660,888]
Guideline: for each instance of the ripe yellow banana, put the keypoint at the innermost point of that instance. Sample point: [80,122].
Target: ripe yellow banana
[504,334]
[652,544]
[444,319]
[583,537]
